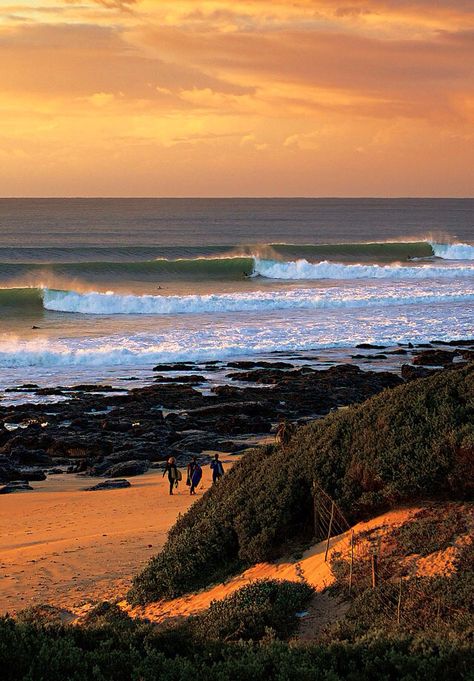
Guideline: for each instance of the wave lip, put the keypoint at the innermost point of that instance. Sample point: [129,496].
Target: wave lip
[264,301]
[455,251]
[302,269]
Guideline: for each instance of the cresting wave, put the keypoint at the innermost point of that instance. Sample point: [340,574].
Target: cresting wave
[197,264]
[305,299]
[302,269]
[453,251]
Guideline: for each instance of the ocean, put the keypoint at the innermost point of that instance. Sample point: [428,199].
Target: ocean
[100,290]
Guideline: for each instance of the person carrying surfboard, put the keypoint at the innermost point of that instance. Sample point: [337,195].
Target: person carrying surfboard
[174,475]
[217,469]
[194,475]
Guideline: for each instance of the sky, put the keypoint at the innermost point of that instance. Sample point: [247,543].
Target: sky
[227,98]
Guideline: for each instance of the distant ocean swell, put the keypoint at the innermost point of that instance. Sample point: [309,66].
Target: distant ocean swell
[237,267]
[385,251]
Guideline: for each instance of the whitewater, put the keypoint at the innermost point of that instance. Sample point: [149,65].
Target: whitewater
[304,298]
[302,269]
[95,290]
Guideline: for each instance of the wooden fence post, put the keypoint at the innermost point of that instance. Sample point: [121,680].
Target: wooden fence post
[374,570]
[352,561]
[317,527]
[399,605]
[329,532]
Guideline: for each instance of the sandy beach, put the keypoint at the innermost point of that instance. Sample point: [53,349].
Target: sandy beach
[67,547]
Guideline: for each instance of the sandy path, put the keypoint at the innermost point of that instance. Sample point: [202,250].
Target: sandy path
[311,566]
[64,546]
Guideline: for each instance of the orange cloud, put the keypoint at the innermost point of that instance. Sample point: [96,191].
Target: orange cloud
[176,98]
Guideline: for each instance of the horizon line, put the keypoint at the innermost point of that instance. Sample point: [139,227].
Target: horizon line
[239,197]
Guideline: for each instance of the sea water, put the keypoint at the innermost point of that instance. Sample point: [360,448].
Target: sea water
[98,289]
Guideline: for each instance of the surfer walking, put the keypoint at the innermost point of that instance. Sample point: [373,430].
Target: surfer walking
[174,474]
[194,475]
[217,469]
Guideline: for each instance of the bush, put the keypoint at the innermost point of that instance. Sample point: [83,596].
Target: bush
[251,611]
[427,532]
[29,653]
[410,442]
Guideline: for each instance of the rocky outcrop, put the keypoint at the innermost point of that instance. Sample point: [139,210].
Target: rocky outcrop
[128,468]
[117,435]
[411,373]
[434,358]
[16,486]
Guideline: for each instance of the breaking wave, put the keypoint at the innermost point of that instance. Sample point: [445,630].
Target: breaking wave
[307,299]
[302,269]
[453,251]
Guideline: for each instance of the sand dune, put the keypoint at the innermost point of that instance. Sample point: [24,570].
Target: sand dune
[311,566]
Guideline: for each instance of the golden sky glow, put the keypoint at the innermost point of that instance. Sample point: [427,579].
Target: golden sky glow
[248,98]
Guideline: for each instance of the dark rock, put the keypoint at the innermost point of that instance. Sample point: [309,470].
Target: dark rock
[241,424]
[434,357]
[192,379]
[7,471]
[230,446]
[116,425]
[458,343]
[31,474]
[29,457]
[266,376]
[400,351]
[109,484]
[264,365]
[127,468]
[80,447]
[81,423]
[178,366]
[168,395]
[468,355]
[55,471]
[195,442]
[410,373]
[370,346]
[16,486]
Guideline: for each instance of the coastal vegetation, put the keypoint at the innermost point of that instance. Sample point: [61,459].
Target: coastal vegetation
[412,442]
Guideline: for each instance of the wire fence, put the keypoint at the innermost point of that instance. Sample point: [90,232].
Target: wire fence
[366,560]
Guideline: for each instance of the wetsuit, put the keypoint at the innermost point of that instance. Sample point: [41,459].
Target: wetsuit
[172,471]
[217,470]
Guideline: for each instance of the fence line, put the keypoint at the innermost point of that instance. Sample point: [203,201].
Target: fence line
[368,561]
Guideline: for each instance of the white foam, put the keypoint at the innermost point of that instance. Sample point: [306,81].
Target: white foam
[255,301]
[302,269]
[456,251]
[196,339]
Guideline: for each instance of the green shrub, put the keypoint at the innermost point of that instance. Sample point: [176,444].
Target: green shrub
[413,441]
[29,653]
[251,611]
[427,532]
